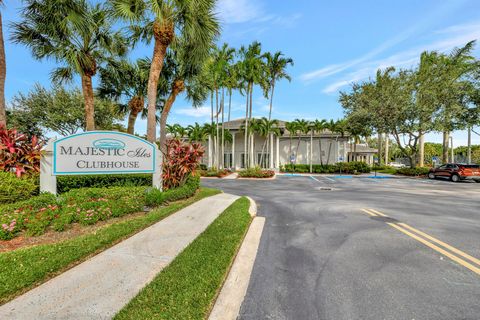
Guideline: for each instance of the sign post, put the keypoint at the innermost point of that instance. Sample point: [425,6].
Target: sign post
[99,152]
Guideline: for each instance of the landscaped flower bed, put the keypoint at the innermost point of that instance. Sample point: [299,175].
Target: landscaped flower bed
[214,173]
[256,173]
[343,167]
[85,206]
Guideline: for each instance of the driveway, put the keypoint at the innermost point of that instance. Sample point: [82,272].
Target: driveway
[339,247]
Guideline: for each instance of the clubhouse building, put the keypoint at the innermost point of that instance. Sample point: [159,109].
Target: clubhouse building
[273,151]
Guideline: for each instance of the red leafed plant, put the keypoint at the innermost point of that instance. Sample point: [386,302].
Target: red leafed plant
[180,160]
[18,152]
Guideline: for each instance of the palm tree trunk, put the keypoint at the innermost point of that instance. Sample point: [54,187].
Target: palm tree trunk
[329,152]
[178,87]
[3,74]
[320,149]
[229,103]
[163,33]
[217,141]
[132,117]
[290,149]
[387,145]
[245,157]
[271,101]
[223,127]
[89,107]
[446,137]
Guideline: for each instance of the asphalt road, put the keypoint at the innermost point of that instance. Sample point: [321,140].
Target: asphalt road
[322,257]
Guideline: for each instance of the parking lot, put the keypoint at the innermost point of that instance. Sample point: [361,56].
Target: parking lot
[342,247]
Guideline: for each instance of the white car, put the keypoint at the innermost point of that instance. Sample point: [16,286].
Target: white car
[396,165]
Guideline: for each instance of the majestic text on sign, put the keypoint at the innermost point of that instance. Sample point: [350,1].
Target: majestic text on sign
[103,152]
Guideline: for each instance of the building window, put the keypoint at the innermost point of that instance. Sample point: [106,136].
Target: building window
[227,160]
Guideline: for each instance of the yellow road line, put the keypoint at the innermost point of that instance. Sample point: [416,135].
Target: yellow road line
[370,213]
[402,227]
[449,247]
[438,249]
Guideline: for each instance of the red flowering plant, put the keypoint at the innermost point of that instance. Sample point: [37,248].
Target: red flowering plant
[180,161]
[18,152]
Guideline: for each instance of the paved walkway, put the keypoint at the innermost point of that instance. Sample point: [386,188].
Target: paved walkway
[101,286]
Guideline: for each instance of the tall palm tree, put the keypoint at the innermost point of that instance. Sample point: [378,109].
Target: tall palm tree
[3,74]
[319,127]
[74,33]
[276,70]
[123,78]
[266,129]
[186,76]
[291,128]
[338,127]
[252,71]
[164,21]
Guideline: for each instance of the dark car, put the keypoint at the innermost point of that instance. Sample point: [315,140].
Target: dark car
[456,172]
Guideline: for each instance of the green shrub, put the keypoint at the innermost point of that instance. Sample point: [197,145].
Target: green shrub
[256,173]
[14,189]
[67,183]
[344,167]
[86,206]
[214,173]
[418,171]
[185,191]
[154,197]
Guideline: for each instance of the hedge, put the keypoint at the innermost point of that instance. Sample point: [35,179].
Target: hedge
[344,167]
[418,171]
[67,183]
[256,173]
[85,206]
[14,189]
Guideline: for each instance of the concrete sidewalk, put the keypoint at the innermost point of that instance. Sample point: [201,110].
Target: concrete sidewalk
[101,286]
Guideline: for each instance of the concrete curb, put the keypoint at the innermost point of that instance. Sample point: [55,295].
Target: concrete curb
[228,303]
[253,207]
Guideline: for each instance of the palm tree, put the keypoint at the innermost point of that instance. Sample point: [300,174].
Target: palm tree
[197,133]
[338,127]
[3,74]
[291,128]
[186,76]
[74,33]
[319,126]
[303,127]
[276,65]
[125,79]
[252,72]
[266,129]
[165,21]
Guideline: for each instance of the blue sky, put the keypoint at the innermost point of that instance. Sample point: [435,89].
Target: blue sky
[333,43]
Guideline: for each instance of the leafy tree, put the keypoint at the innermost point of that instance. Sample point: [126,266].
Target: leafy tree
[74,33]
[276,66]
[166,21]
[58,110]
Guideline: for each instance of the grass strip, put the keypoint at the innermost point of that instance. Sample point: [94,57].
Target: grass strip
[23,269]
[186,288]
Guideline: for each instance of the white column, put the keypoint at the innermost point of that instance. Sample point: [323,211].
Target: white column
[157,181]
[252,150]
[210,156]
[277,166]
[233,152]
[271,152]
[311,151]
[48,182]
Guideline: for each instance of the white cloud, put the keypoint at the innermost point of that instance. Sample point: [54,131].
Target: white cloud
[435,15]
[454,36]
[201,112]
[238,11]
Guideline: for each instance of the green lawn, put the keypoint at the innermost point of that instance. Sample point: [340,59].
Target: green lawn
[186,289]
[23,269]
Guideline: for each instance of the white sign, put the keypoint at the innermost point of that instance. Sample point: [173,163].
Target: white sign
[103,152]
